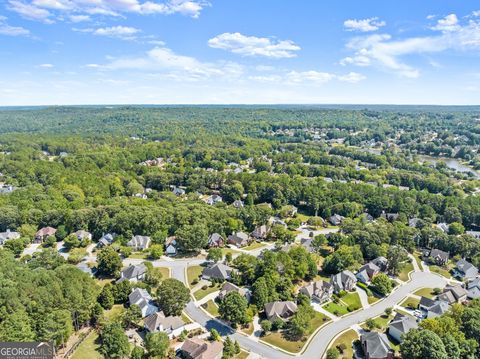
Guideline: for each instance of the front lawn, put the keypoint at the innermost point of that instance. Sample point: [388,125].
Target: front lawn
[89,348]
[193,274]
[425,292]
[279,340]
[254,245]
[345,341]
[352,300]
[202,293]
[115,313]
[380,321]
[337,309]
[211,308]
[139,255]
[407,268]
[418,259]
[439,270]
[410,302]
[165,272]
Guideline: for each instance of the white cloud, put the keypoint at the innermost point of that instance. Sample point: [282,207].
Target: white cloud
[46,66]
[309,76]
[9,30]
[79,18]
[254,46]
[382,50]
[46,10]
[363,25]
[476,13]
[447,24]
[352,77]
[121,32]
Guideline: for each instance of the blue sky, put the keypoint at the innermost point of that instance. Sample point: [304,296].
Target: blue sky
[239,51]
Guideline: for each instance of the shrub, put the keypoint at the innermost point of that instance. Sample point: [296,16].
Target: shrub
[204,287]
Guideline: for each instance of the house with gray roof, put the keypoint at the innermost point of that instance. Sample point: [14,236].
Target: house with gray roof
[381,262]
[133,273]
[140,297]
[344,280]
[465,270]
[196,348]
[473,288]
[400,325]
[438,309]
[83,235]
[139,243]
[260,232]
[280,310]
[319,291]
[228,287]
[307,244]
[453,294]
[375,345]
[336,219]
[367,272]
[8,235]
[239,239]
[106,240]
[158,322]
[217,271]
[238,204]
[438,256]
[216,240]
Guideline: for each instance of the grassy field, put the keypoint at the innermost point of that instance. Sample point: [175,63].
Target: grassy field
[115,313]
[139,255]
[410,303]
[254,245]
[380,321]
[242,355]
[193,273]
[89,348]
[353,300]
[165,272]
[346,339]
[425,292]
[277,339]
[439,270]
[211,308]
[417,256]
[202,293]
[407,268]
[185,319]
[337,309]
[248,329]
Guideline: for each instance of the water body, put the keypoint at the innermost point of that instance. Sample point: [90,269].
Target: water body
[452,163]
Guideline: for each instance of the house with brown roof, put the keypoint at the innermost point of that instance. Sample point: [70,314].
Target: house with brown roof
[216,240]
[280,310]
[260,232]
[158,322]
[196,348]
[43,233]
[239,239]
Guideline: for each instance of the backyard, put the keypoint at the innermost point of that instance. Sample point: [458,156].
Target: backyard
[89,349]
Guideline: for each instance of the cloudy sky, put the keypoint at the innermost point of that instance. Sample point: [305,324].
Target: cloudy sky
[239,51]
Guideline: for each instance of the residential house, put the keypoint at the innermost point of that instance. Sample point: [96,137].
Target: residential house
[433,308]
[171,246]
[133,273]
[319,291]
[375,345]
[216,240]
[453,294]
[473,288]
[475,234]
[106,240]
[336,219]
[443,227]
[307,243]
[196,348]
[43,233]
[345,280]
[228,287]
[217,271]
[425,303]
[391,217]
[367,272]
[140,297]
[238,204]
[213,199]
[381,262]
[465,270]
[438,257]
[260,232]
[8,235]
[276,221]
[83,235]
[400,325]
[158,322]
[239,239]
[139,243]
[280,310]
[412,222]
[177,191]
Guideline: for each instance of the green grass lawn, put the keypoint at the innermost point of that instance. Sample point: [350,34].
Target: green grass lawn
[346,339]
[211,308]
[242,355]
[407,268]
[352,300]
[337,309]
[202,293]
[381,322]
[115,313]
[185,319]
[139,255]
[193,273]
[247,329]
[410,303]
[439,270]
[425,292]
[89,349]
[232,251]
[165,272]
[254,245]
[277,339]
